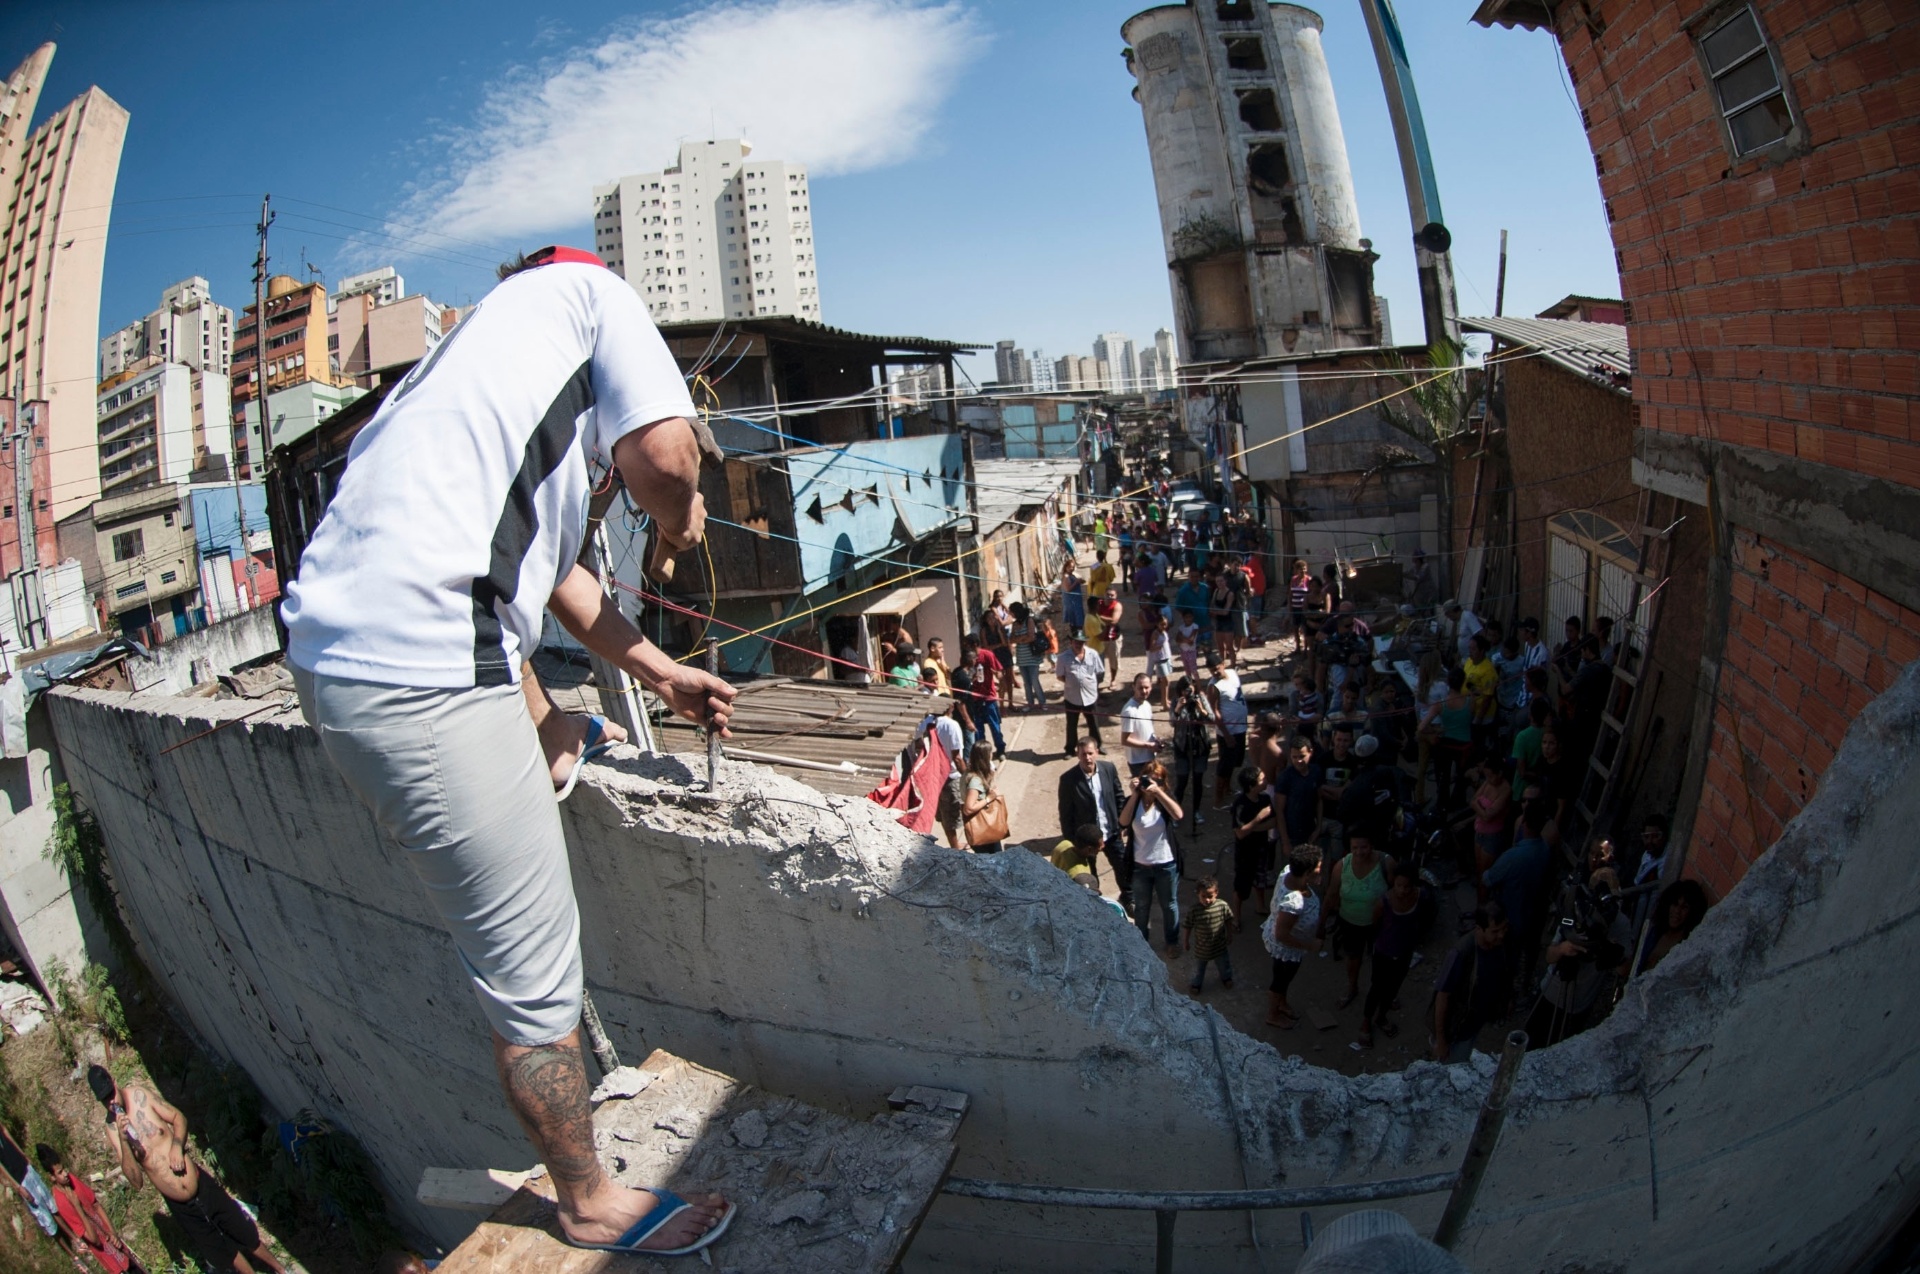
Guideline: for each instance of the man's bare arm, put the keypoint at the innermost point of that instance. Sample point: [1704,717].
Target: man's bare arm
[660,465]
[123,1152]
[584,609]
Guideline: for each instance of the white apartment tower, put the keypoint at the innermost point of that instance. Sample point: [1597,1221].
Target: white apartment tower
[1159,366]
[1115,349]
[188,328]
[384,285]
[719,235]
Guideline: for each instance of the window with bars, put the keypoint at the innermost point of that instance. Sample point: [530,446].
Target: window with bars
[1746,83]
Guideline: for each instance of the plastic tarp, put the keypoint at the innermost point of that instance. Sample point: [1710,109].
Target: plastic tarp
[35,678]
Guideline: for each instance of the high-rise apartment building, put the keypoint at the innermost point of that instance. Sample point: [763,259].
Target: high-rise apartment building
[1078,372]
[1149,369]
[56,193]
[188,328]
[1040,369]
[162,421]
[384,285]
[1011,366]
[717,236]
[376,325]
[914,386]
[1116,350]
[1159,366]
[296,350]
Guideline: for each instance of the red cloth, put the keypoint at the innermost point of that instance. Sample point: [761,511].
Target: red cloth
[76,1198]
[988,689]
[915,795]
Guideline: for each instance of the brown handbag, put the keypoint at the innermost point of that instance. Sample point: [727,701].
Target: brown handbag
[988,824]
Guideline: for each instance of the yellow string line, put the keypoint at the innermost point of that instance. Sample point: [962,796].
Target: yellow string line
[1104,503]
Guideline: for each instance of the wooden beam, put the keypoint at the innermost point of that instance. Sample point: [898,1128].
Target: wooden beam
[817,1193]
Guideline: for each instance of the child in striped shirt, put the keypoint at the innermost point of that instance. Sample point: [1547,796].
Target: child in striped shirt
[1209,933]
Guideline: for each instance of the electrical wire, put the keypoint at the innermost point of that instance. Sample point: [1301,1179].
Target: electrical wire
[1108,502]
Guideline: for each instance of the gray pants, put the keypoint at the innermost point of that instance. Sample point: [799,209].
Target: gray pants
[457,777]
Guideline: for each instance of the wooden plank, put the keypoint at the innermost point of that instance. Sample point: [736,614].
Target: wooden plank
[817,1192]
[469,1189]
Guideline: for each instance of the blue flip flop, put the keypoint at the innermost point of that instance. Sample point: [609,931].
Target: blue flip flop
[670,1205]
[596,728]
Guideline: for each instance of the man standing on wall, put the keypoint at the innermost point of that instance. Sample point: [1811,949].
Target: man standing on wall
[458,521]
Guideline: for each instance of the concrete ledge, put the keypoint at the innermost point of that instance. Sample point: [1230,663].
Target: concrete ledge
[1861,526]
[1748,1107]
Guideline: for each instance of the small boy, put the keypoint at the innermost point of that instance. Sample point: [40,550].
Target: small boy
[1209,929]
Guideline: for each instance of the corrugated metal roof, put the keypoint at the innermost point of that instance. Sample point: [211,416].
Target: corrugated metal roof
[785,327]
[826,722]
[1531,14]
[818,720]
[1594,351]
[1004,487]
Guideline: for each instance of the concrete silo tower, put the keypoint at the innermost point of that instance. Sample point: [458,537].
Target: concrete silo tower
[1256,199]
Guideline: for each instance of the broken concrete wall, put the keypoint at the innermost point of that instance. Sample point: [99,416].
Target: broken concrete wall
[175,667]
[1748,1107]
[42,915]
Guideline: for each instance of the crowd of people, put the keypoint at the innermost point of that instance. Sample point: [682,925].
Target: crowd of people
[1363,792]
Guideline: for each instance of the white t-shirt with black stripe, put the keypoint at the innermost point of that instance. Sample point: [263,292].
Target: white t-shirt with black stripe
[464,500]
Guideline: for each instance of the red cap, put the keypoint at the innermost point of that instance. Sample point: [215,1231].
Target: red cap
[553,254]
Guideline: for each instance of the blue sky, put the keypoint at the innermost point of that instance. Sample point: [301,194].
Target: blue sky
[980,170]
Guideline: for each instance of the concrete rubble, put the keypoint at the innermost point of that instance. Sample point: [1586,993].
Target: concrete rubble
[805,944]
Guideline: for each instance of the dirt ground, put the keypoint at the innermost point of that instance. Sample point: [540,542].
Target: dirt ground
[43,1075]
[1325,1034]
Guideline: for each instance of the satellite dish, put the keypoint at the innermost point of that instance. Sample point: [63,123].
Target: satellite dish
[1434,237]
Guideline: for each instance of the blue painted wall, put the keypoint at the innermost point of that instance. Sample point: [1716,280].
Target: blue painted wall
[872,498]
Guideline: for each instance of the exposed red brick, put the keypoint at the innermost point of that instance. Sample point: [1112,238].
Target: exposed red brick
[1776,304]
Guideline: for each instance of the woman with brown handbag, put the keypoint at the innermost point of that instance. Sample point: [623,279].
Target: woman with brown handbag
[983,811]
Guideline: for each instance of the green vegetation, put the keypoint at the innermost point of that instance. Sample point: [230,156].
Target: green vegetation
[327,1207]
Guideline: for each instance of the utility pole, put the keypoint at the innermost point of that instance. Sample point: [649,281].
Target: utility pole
[1500,284]
[260,393]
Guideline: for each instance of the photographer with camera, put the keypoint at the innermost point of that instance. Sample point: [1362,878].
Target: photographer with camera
[1588,956]
[1152,813]
[1193,721]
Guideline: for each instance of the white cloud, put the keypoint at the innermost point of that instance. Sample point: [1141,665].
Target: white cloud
[839,85]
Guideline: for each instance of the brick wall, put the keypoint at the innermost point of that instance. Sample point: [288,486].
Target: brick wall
[1775,305]
[1571,447]
[1807,648]
[1775,300]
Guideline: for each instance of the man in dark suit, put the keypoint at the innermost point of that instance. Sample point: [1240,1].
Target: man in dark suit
[1090,793]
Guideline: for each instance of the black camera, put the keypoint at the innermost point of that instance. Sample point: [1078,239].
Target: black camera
[1588,921]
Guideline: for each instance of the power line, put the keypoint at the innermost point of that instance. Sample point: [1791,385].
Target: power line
[1108,502]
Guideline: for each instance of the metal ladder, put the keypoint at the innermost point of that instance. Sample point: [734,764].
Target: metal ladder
[1613,746]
